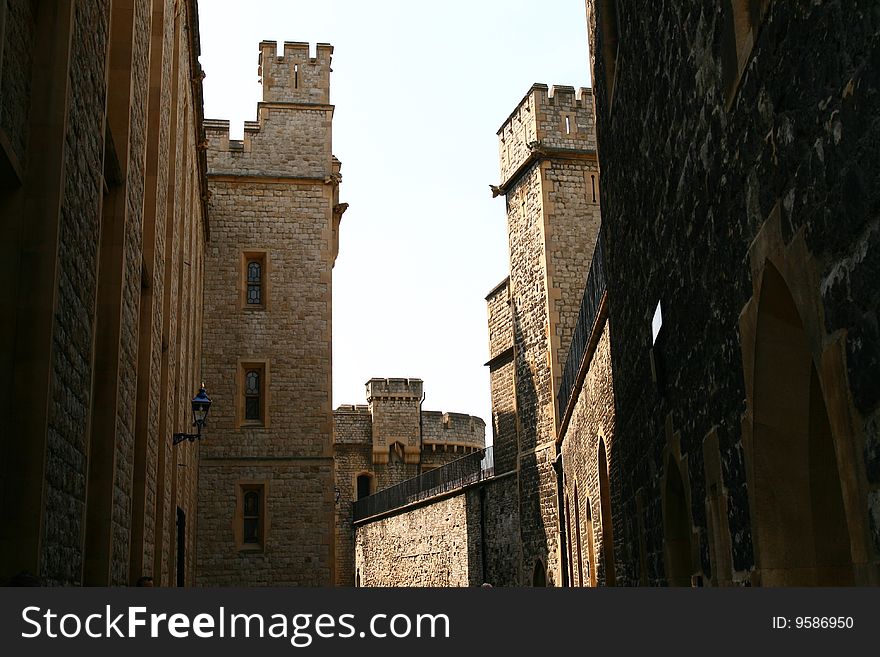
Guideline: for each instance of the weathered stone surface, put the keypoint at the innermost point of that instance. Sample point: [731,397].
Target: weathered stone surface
[464,539]
[797,130]
[549,176]
[393,416]
[592,419]
[274,195]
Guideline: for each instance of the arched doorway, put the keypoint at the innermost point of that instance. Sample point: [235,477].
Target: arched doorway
[676,528]
[364,485]
[539,577]
[800,529]
[605,519]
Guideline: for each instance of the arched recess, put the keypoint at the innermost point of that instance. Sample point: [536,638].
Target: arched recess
[539,577]
[591,543]
[800,527]
[365,484]
[676,528]
[605,520]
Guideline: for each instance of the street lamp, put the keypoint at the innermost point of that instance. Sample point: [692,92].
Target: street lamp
[201,404]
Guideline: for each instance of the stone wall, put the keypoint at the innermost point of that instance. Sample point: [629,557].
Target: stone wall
[89,470]
[548,167]
[592,419]
[769,170]
[392,415]
[501,378]
[274,196]
[460,540]
[15,85]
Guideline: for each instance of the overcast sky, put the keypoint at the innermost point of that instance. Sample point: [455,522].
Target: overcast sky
[420,90]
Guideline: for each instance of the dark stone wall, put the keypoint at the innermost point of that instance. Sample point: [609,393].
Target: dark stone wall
[686,184]
[73,335]
[15,77]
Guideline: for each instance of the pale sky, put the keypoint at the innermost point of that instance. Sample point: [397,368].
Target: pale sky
[420,90]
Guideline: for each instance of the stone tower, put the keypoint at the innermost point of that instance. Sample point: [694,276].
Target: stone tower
[387,441]
[549,177]
[266,502]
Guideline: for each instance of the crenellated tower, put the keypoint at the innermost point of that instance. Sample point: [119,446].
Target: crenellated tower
[267,471]
[549,179]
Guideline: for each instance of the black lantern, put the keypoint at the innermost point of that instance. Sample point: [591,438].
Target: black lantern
[201,404]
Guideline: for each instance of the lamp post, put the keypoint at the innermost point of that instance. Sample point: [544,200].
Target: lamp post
[201,404]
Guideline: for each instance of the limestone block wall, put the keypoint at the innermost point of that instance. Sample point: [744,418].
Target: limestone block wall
[549,174]
[97,480]
[440,438]
[274,195]
[460,540]
[451,430]
[592,419]
[296,550]
[501,378]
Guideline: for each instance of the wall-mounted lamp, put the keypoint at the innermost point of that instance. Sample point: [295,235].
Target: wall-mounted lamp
[201,405]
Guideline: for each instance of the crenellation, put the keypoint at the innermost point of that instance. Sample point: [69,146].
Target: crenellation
[390,440]
[295,77]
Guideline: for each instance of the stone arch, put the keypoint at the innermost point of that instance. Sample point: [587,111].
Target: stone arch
[802,535]
[364,484]
[676,527]
[539,576]
[782,331]
[605,519]
[591,541]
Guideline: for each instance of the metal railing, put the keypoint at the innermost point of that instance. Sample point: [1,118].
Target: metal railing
[586,318]
[457,474]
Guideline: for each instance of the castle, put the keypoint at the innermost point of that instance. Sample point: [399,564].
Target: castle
[684,386]
[710,417]
[161,254]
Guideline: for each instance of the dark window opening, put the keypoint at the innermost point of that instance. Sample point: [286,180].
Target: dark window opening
[254,283]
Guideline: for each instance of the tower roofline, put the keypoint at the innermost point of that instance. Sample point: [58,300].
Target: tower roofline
[555,92]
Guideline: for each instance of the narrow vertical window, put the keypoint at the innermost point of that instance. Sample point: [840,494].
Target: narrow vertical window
[252,396]
[251,518]
[255,283]
[254,288]
[593,181]
[567,125]
[296,76]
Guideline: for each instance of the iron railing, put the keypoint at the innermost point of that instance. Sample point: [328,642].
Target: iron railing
[462,472]
[586,318]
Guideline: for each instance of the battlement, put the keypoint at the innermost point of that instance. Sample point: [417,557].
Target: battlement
[451,429]
[295,76]
[353,408]
[292,133]
[558,117]
[409,389]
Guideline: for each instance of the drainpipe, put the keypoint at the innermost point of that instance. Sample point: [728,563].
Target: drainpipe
[421,433]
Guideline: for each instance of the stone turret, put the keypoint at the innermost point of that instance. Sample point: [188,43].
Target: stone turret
[394,404]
